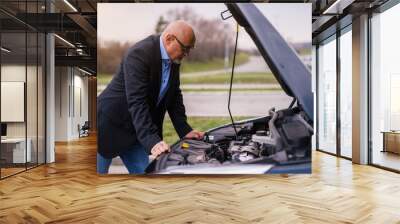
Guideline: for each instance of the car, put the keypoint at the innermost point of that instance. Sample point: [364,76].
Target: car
[279,142]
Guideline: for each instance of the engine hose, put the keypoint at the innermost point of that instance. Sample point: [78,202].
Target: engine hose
[274,132]
[162,162]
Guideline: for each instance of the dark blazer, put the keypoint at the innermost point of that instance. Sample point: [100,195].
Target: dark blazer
[127,109]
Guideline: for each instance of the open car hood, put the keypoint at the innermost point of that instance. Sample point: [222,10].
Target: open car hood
[288,69]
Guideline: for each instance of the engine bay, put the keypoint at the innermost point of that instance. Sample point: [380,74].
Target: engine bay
[283,137]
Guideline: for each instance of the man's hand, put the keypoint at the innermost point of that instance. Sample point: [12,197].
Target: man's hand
[194,134]
[159,148]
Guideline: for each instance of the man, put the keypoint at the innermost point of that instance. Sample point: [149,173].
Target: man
[131,109]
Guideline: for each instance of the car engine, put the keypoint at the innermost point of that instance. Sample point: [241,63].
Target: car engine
[282,137]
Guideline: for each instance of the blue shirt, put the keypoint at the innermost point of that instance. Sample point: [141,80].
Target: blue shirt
[166,69]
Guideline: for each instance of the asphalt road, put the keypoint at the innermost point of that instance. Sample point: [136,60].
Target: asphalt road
[255,64]
[235,86]
[242,104]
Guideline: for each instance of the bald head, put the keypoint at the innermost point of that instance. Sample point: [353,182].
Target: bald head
[182,30]
[178,38]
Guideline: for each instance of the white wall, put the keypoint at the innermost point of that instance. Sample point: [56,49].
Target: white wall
[33,126]
[71,94]
[61,103]
[16,73]
[12,73]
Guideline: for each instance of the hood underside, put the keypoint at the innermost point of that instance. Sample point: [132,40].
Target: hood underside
[285,64]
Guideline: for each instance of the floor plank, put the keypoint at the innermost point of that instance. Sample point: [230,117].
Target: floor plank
[70,191]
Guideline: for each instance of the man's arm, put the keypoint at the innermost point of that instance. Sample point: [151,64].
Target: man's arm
[137,81]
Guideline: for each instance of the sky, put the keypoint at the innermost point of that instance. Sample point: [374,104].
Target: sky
[131,22]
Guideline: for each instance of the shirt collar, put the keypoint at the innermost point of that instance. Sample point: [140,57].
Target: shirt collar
[164,54]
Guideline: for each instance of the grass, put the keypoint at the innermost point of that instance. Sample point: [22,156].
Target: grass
[253,77]
[103,79]
[259,78]
[198,123]
[187,66]
[304,51]
[213,64]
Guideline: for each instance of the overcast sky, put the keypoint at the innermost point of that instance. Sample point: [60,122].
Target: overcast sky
[134,21]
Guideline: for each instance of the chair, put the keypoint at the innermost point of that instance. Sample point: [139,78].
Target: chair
[84,130]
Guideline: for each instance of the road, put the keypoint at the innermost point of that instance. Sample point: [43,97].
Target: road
[234,86]
[255,64]
[242,104]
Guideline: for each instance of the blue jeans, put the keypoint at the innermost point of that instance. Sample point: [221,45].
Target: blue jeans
[136,161]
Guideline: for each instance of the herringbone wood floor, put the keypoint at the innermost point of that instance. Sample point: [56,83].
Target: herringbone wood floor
[70,191]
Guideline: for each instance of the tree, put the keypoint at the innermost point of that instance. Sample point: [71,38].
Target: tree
[211,34]
[161,23]
[110,55]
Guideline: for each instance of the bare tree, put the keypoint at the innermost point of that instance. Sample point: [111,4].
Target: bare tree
[211,38]
[160,26]
[110,55]
[211,34]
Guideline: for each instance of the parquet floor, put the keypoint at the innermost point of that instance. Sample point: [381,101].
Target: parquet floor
[70,191]
[10,171]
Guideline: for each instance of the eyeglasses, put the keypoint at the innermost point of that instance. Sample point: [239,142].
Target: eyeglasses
[185,49]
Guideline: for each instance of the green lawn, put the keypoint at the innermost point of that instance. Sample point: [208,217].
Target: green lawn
[213,64]
[254,77]
[103,79]
[263,78]
[198,123]
[305,51]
